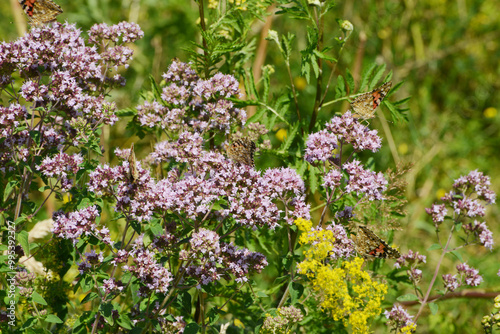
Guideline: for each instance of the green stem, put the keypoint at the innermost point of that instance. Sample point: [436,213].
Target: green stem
[427,294]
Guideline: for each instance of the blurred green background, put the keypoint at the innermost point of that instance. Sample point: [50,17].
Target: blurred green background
[447,52]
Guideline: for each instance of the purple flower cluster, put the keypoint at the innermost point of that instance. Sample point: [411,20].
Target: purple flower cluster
[78,224]
[450,282]
[251,197]
[286,185]
[111,285]
[123,32]
[332,179]
[348,130]
[148,270]
[466,201]
[476,182]
[187,148]
[320,146]
[61,166]
[340,131]
[191,103]
[412,259]
[343,247]
[481,231]
[65,80]
[213,259]
[438,213]
[469,191]
[366,182]
[129,32]
[469,274]
[398,318]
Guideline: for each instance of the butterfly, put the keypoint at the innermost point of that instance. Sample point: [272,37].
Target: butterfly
[364,105]
[133,173]
[368,244]
[40,11]
[241,151]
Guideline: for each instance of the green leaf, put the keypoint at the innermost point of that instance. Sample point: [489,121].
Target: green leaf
[266,83]
[321,55]
[313,179]
[262,294]
[257,116]
[365,76]
[407,297]
[290,136]
[20,220]
[86,283]
[249,84]
[155,88]
[42,189]
[35,296]
[89,297]
[184,299]
[124,321]
[296,291]
[340,87]
[315,66]
[156,228]
[395,88]
[350,80]
[191,328]
[458,256]
[107,312]
[53,319]
[9,188]
[305,71]
[286,44]
[434,308]
[22,237]
[433,247]
[301,167]
[126,112]
[379,72]
[213,315]
[29,323]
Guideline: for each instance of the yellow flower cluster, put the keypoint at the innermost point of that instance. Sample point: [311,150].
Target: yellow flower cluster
[408,329]
[347,292]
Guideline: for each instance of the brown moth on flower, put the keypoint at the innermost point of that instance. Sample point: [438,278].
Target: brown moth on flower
[368,244]
[364,105]
[133,173]
[241,151]
[40,11]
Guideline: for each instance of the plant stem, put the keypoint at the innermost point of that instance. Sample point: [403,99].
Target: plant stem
[427,294]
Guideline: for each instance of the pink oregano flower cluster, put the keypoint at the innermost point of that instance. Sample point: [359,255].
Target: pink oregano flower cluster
[67,81]
[468,199]
[189,103]
[327,145]
[467,276]
[251,196]
[61,166]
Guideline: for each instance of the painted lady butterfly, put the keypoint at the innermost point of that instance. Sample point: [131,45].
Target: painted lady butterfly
[133,173]
[241,151]
[40,11]
[364,105]
[368,244]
